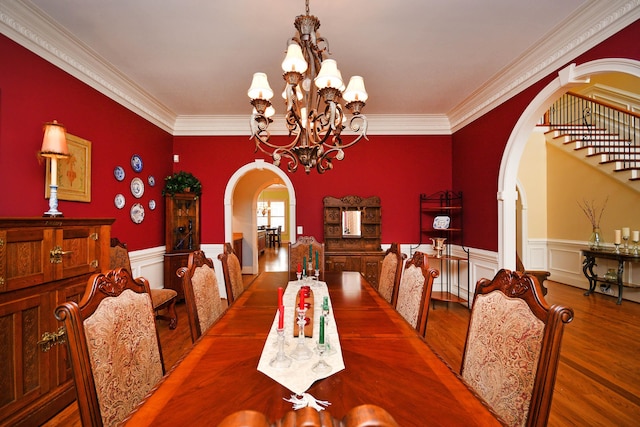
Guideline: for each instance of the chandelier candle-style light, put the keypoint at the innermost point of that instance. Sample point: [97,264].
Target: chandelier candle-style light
[314,117]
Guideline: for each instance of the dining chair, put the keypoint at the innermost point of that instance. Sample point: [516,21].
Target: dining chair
[306,247]
[541,275]
[360,416]
[511,353]
[275,236]
[201,293]
[232,272]
[390,274]
[162,298]
[414,291]
[113,346]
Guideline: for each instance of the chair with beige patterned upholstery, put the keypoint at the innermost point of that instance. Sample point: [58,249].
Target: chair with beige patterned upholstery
[201,293]
[113,346]
[513,345]
[305,249]
[414,292]
[390,273]
[163,298]
[232,271]
[360,416]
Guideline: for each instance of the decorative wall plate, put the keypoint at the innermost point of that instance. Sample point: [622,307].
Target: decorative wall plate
[119,201]
[151,180]
[136,163]
[137,187]
[441,222]
[152,204]
[137,213]
[118,172]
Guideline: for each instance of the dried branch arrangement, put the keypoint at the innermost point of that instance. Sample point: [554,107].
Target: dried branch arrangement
[593,211]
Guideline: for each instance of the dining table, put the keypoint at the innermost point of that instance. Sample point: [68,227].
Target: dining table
[386,363]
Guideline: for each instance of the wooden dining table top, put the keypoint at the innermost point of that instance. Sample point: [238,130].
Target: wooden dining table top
[386,364]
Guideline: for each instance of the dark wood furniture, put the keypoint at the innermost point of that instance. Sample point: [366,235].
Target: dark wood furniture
[262,240]
[237,246]
[201,293]
[387,364]
[414,291]
[182,235]
[513,346]
[590,257]
[43,263]
[306,249]
[541,275]
[363,415]
[113,344]
[390,273]
[162,299]
[349,251]
[232,272]
[436,210]
[274,236]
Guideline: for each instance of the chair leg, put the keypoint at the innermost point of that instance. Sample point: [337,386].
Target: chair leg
[172,315]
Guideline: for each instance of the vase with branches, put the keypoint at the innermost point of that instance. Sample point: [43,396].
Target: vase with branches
[594,212]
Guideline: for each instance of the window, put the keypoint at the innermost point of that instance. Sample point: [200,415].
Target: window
[271,213]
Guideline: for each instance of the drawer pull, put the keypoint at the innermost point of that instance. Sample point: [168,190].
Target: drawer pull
[56,254]
[49,339]
[94,236]
[94,263]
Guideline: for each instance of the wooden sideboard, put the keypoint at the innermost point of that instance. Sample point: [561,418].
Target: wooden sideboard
[43,263]
[262,241]
[349,251]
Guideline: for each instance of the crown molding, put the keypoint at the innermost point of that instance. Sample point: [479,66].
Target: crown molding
[238,125]
[25,24]
[580,32]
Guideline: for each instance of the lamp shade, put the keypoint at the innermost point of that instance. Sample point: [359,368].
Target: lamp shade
[294,61]
[260,88]
[54,141]
[355,90]
[329,76]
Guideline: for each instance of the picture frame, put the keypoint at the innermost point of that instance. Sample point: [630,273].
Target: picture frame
[74,172]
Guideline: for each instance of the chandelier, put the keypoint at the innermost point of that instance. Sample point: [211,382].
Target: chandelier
[314,117]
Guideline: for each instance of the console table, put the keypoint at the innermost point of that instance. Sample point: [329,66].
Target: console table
[589,262]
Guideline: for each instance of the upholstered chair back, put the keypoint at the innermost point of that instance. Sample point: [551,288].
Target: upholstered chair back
[390,273]
[114,348]
[302,249]
[512,348]
[414,292]
[232,271]
[201,293]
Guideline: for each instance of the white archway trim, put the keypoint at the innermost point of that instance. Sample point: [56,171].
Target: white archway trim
[507,179]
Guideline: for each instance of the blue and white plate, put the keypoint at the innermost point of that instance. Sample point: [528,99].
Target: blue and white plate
[118,172]
[136,163]
[151,180]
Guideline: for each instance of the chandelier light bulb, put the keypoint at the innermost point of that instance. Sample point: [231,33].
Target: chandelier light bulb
[329,76]
[294,61]
[260,88]
[355,90]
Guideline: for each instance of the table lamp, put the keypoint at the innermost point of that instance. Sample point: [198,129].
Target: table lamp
[54,146]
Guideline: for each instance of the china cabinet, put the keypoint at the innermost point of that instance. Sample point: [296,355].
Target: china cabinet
[352,235]
[441,226]
[43,263]
[182,236]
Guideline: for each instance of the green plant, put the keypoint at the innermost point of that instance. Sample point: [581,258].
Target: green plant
[182,182]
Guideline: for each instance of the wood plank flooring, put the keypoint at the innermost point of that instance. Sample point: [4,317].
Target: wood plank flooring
[598,381]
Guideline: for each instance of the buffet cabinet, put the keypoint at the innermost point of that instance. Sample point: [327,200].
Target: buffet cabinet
[352,235]
[43,263]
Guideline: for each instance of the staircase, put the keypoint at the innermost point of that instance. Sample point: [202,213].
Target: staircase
[603,135]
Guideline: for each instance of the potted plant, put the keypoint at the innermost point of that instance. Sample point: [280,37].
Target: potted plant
[182,182]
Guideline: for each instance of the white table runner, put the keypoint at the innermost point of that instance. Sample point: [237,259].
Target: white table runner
[299,377]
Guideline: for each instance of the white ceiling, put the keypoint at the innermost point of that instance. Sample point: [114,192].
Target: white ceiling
[183,62]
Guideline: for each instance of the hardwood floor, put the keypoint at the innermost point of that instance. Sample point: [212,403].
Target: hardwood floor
[598,382]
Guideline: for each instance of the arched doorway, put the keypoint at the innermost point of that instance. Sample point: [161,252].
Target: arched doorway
[240,200]
[568,77]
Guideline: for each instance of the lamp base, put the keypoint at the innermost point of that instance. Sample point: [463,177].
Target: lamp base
[52,215]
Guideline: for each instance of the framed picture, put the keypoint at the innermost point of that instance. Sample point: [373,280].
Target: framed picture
[74,172]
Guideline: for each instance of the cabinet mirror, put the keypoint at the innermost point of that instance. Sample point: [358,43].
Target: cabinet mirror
[351,223]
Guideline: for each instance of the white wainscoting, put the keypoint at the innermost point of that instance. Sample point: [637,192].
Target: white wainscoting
[149,263]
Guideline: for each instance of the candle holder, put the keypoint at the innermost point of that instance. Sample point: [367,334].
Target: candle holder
[626,243]
[298,275]
[281,360]
[321,365]
[301,352]
[327,341]
[317,274]
[617,250]
[635,247]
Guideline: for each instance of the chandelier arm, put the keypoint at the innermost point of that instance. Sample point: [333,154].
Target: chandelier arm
[292,162]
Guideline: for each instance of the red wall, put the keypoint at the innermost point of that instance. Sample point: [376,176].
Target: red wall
[33,92]
[478,147]
[397,169]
